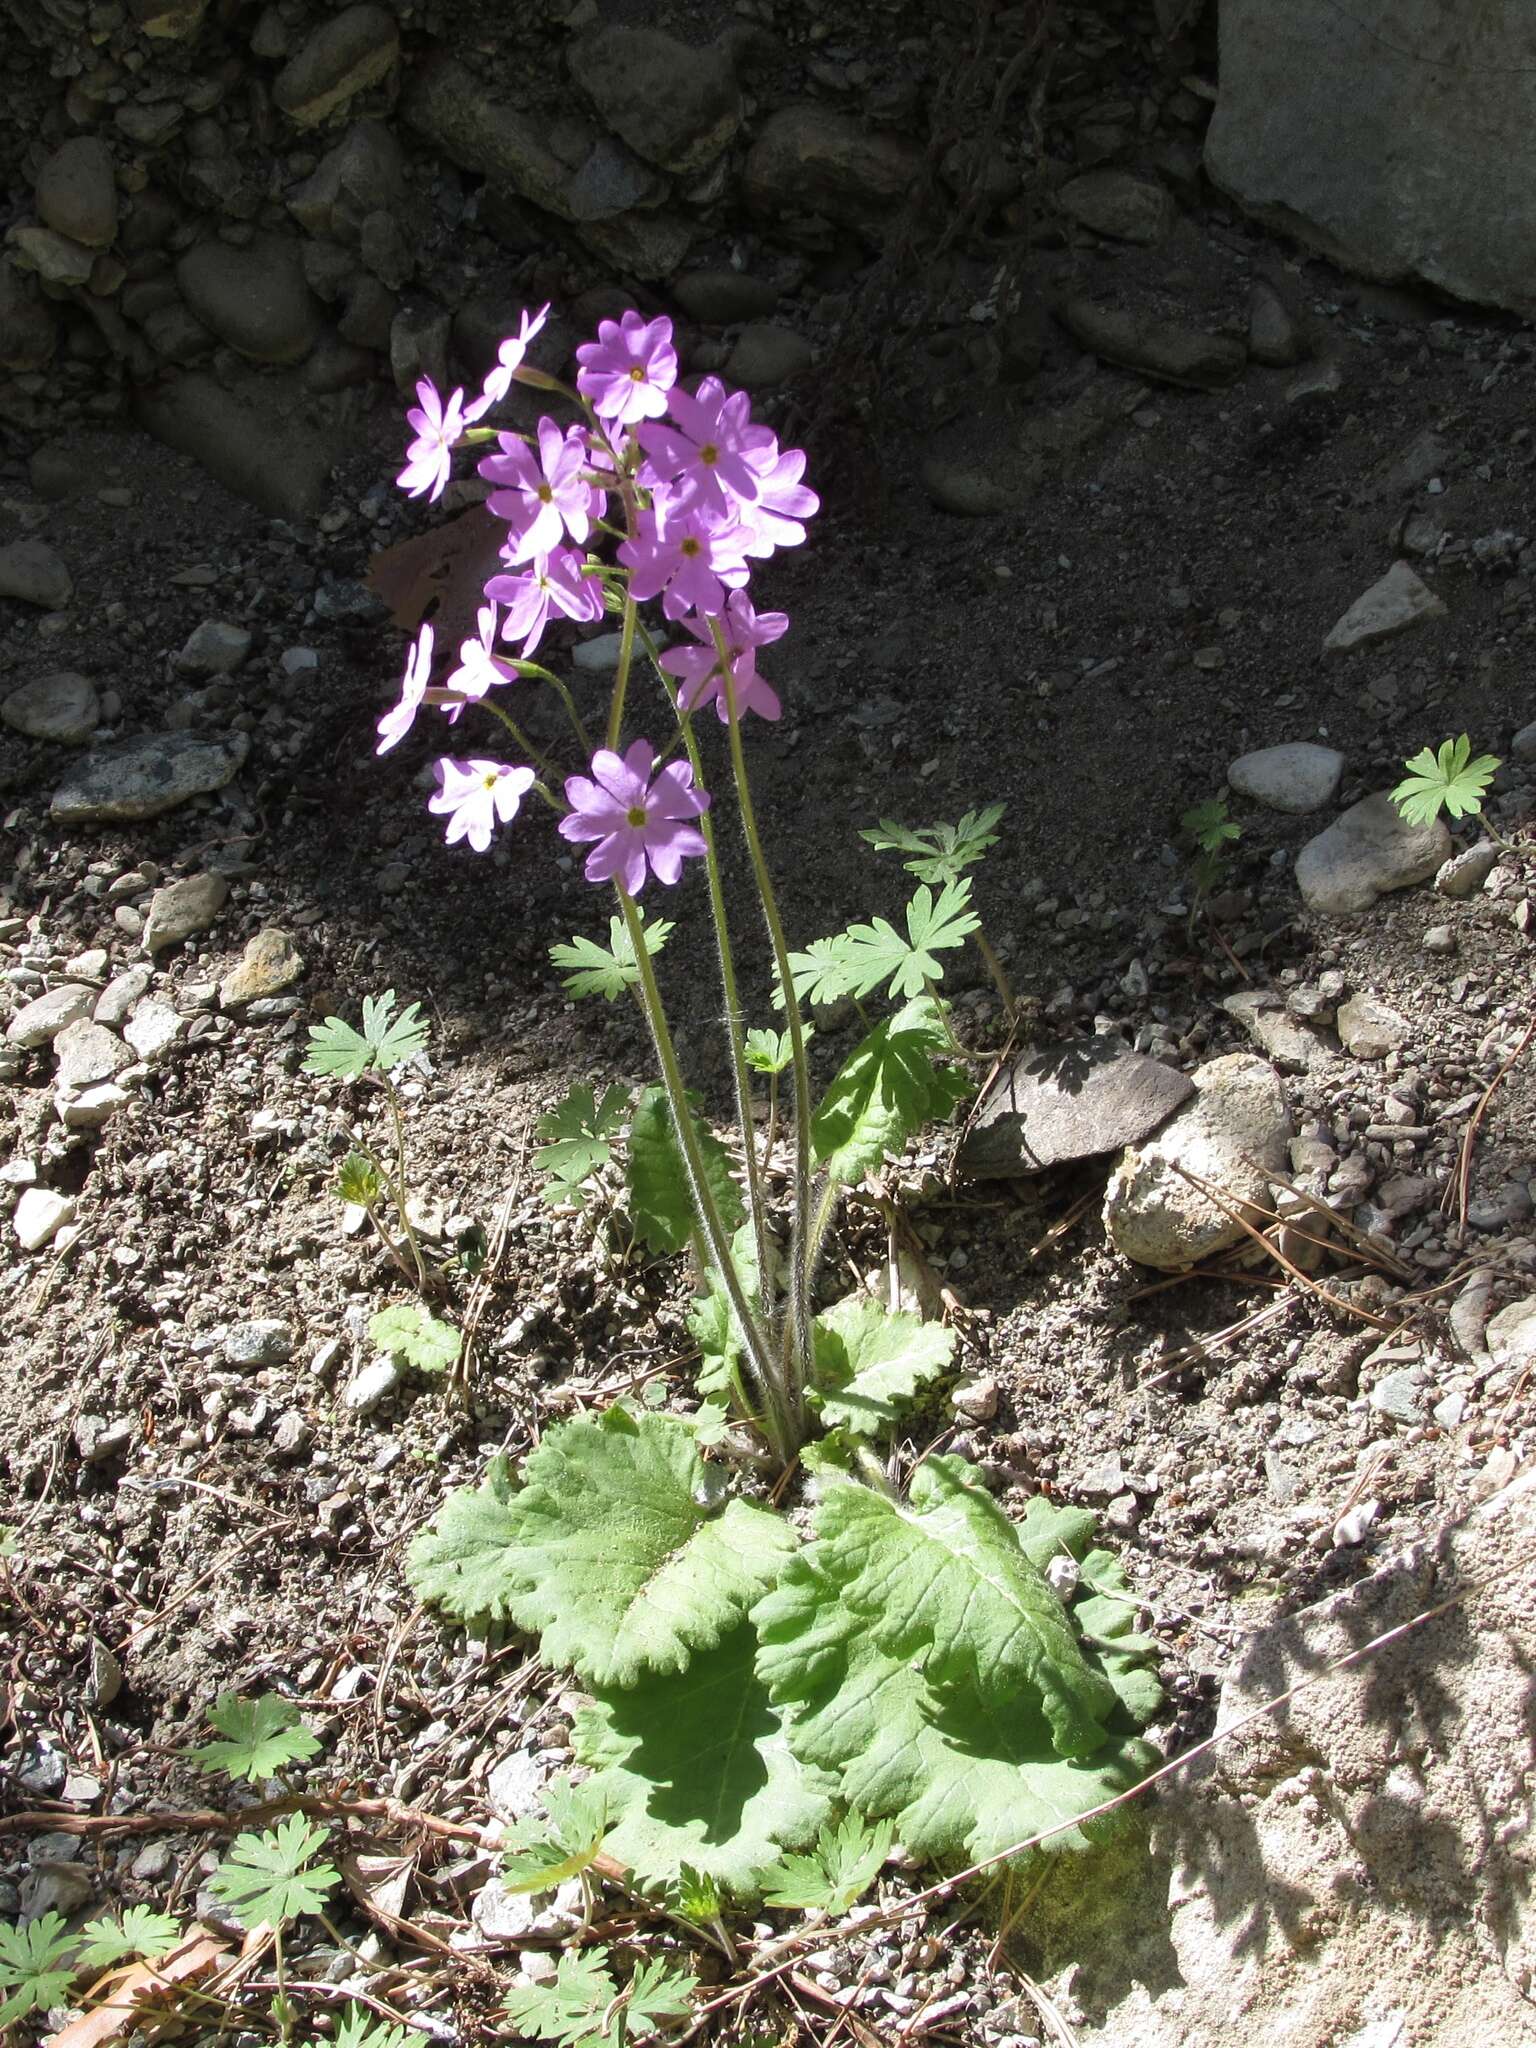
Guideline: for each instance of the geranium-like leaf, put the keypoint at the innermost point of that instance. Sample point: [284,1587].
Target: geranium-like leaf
[819,974]
[383,1044]
[577,1134]
[569,2008]
[541,1853]
[658,1181]
[35,1967]
[771,1052]
[409,1330]
[1449,778]
[877,951]
[274,1877]
[941,852]
[141,1932]
[873,1363]
[624,1564]
[465,1562]
[698,1772]
[606,971]
[837,1871]
[359,2028]
[257,1737]
[886,1090]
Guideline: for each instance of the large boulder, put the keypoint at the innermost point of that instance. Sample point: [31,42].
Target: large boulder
[1396,136]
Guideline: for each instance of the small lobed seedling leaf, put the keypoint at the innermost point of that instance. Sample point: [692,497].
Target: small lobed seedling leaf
[359,1180]
[359,2028]
[539,1854]
[578,1134]
[384,1043]
[940,853]
[572,2008]
[772,1052]
[35,1967]
[1448,779]
[272,1878]
[836,1872]
[1209,826]
[141,1932]
[856,961]
[258,1737]
[606,971]
[409,1330]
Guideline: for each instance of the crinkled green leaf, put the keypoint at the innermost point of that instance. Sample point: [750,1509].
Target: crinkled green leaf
[335,1047]
[33,1967]
[359,1180]
[698,1772]
[465,1562]
[1209,826]
[141,1932]
[607,971]
[570,2009]
[578,1133]
[1450,779]
[872,1363]
[621,1558]
[658,1181]
[837,1871]
[942,851]
[884,1092]
[541,1852]
[409,1330]
[259,1736]
[273,1877]
[1105,1607]
[713,1323]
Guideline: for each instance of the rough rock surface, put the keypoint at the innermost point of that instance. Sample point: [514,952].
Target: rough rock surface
[819,161]
[1295,778]
[1397,139]
[64,708]
[1236,1126]
[1393,604]
[1160,348]
[144,777]
[1074,1100]
[1364,854]
[35,573]
[676,106]
[270,964]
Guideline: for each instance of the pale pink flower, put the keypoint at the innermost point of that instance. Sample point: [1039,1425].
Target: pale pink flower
[637,822]
[476,796]
[479,668]
[429,458]
[509,360]
[628,371]
[705,455]
[553,582]
[545,496]
[688,555]
[776,518]
[744,631]
[397,721]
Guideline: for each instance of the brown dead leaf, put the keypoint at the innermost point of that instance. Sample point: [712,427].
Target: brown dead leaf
[381,1885]
[440,575]
[122,2012]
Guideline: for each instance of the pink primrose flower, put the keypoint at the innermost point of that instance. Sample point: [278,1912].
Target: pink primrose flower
[688,554]
[637,822]
[397,721]
[479,668]
[783,504]
[628,371]
[429,458]
[553,582]
[509,360]
[476,796]
[703,679]
[706,454]
[547,496]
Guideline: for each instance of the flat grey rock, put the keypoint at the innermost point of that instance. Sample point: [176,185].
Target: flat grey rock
[1159,348]
[1295,778]
[88,1053]
[1073,1100]
[40,1021]
[63,708]
[1366,852]
[146,777]
[1395,602]
[1465,873]
[35,573]
[1371,1029]
[181,908]
[1281,1037]
[1117,204]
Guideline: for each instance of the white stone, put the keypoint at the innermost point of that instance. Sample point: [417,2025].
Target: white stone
[153,1029]
[63,708]
[1295,778]
[40,1215]
[120,995]
[1511,1335]
[1465,873]
[87,1109]
[1367,851]
[299,661]
[1394,603]
[1369,1029]
[88,1053]
[214,649]
[515,1786]
[368,1389]
[599,656]
[41,1021]
[182,908]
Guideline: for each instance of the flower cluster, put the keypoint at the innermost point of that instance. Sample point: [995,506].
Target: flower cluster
[692,490]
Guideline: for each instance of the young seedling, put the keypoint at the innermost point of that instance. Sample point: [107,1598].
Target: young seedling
[257,1738]
[941,853]
[270,1879]
[1212,832]
[376,1053]
[1450,780]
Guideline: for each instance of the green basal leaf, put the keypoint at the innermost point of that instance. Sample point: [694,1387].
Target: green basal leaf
[381,1046]
[873,1364]
[698,1771]
[359,2028]
[1209,826]
[607,971]
[539,1855]
[819,974]
[141,1932]
[34,1967]
[660,1990]
[713,1323]
[1449,780]
[622,1559]
[409,1330]
[466,1562]
[259,1737]
[658,1182]
[839,1869]
[578,1132]
[885,1091]
[570,2010]
[359,1180]
[942,851]
[273,1877]
[771,1052]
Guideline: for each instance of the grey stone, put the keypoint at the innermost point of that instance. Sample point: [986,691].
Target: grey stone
[63,708]
[1295,778]
[1118,204]
[958,487]
[293,1435]
[1370,1029]
[481,131]
[56,259]
[515,1786]
[1465,873]
[271,963]
[91,965]
[28,326]
[612,180]
[1400,154]
[1067,1101]
[181,908]
[146,777]
[170,21]
[40,1021]
[766,355]
[153,1029]
[975,1400]
[88,1053]
[364,172]
[261,440]
[1272,338]
[719,298]
[647,245]
[54,1886]
[77,193]
[1364,854]
[1439,939]
[88,1109]
[1523,745]
[215,648]
[808,159]
[1399,1395]
[341,58]
[120,995]
[675,105]
[1510,1336]
[39,1217]
[1278,1035]
[254,298]
[31,571]
[1138,339]
[373,1385]
[1234,1129]
[1392,605]
[264,1341]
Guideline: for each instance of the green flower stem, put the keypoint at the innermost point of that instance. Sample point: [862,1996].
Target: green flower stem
[800,1271]
[995,968]
[400,1183]
[621,674]
[780,1427]
[545,765]
[562,690]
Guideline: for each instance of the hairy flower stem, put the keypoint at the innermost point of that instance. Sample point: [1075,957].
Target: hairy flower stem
[780,1420]
[799,1348]
[400,1188]
[621,673]
[995,968]
[546,766]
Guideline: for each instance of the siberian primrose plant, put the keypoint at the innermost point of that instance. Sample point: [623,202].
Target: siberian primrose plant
[907,1661]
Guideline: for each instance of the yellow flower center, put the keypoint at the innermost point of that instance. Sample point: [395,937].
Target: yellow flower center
[690,547]
[490,778]
[635,815]
[709,454]
[637,374]
[546,495]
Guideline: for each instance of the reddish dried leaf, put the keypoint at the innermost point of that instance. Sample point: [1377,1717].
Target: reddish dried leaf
[441,575]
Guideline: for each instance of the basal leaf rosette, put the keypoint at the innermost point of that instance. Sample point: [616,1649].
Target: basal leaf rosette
[616,1551]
